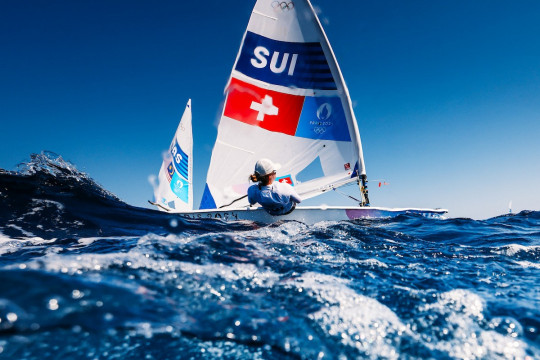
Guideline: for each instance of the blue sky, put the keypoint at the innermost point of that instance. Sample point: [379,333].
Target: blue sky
[446,93]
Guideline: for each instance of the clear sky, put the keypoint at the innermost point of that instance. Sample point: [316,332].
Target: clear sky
[446,93]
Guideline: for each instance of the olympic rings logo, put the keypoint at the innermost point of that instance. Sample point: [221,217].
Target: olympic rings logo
[283,5]
[319,130]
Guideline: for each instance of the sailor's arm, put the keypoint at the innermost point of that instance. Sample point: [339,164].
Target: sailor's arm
[295,197]
[251,196]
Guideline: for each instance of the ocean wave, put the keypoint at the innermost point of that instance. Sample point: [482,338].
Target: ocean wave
[84,275]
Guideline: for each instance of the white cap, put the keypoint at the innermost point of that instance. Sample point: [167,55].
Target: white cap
[264,167]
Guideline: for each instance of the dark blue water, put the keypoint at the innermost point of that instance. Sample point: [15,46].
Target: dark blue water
[86,276]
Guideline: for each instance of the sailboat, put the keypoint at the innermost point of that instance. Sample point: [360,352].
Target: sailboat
[174,191]
[285,100]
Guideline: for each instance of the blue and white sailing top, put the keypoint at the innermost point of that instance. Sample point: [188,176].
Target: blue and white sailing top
[277,198]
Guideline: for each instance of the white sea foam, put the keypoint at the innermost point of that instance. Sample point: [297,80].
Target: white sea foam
[513,249]
[9,245]
[41,204]
[138,258]
[374,263]
[356,320]
[459,300]
[528,264]
[90,240]
[24,232]
[463,313]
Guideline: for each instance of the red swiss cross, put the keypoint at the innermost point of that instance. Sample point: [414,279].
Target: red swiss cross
[268,109]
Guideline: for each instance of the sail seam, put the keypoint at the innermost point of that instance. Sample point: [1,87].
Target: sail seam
[260,13]
[234,147]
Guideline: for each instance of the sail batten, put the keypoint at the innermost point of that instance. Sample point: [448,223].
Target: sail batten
[285,100]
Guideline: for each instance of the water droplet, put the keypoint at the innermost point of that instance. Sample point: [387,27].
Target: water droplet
[53,304]
[76,294]
[287,346]
[237,323]
[173,223]
[12,317]
[22,266]
[108,317]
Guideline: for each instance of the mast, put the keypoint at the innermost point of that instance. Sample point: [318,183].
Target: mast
[362,176]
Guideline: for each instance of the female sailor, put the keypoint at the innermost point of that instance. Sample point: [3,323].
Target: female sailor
[275,197]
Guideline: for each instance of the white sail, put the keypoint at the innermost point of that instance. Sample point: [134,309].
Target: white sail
[174,191]
[286,101]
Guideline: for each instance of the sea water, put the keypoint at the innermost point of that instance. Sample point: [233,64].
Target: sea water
[85,276]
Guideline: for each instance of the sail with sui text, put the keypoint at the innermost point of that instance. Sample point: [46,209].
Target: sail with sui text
[286,100]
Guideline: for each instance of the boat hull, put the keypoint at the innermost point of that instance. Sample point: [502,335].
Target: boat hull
[311,214]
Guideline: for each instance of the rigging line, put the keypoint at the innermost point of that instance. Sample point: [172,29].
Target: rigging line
[158,205]
[349,196]
[324,188]
[240,198]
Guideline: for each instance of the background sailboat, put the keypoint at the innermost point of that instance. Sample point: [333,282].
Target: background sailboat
[174,191]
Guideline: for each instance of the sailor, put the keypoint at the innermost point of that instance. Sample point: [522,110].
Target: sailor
[275,197]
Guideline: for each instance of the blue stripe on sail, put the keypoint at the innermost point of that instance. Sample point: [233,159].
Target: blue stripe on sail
[180,160]
[180,188]
[207,201]
[326,87]
[319,77]
[285,63]
[355,171]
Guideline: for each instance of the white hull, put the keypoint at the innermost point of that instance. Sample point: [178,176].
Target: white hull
[311,214]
